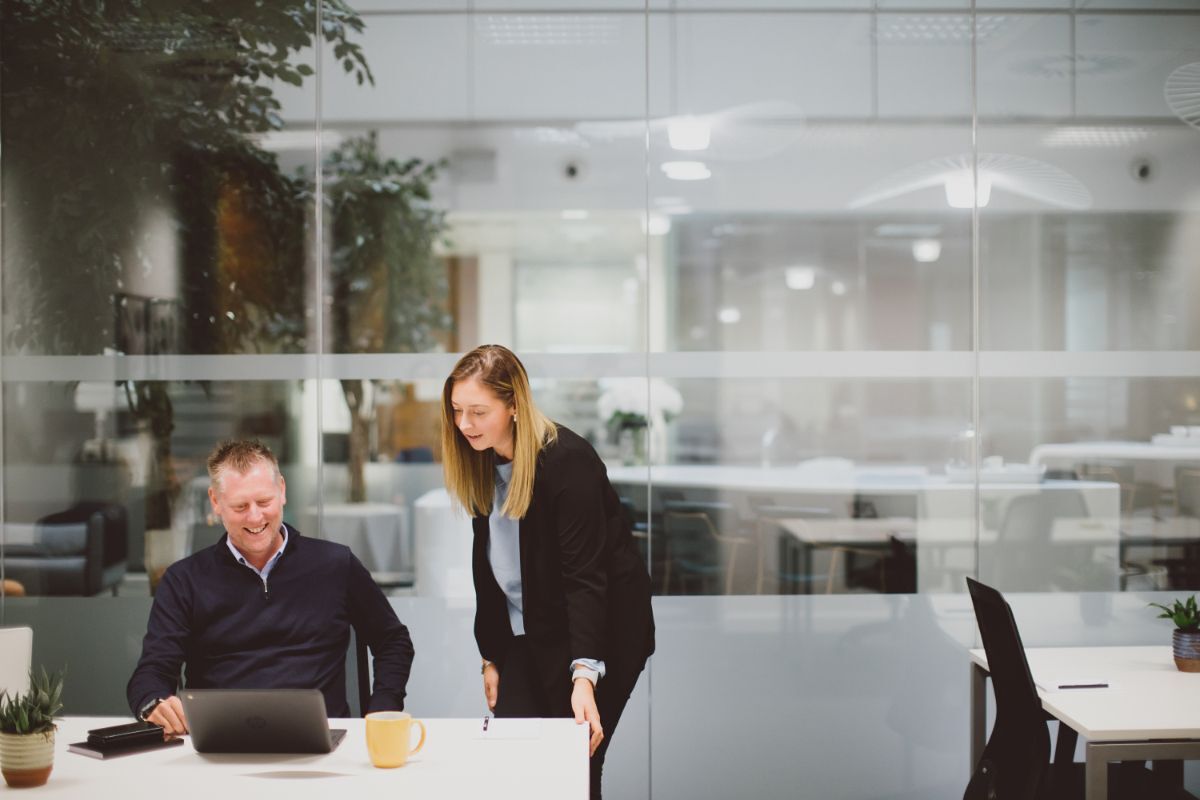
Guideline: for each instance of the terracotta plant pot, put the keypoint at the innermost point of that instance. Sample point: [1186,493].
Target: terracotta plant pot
[26,759]
[1185,646]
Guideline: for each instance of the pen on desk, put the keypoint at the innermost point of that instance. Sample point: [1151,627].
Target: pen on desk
[1083,686]
[485,723]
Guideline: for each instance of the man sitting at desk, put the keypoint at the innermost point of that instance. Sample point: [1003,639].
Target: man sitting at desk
[264,607]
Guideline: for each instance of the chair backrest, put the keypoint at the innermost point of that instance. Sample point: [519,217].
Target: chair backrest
[1187,490]
[362,673]
[1015,761]
[699,522]
[16,653]
[1025,558]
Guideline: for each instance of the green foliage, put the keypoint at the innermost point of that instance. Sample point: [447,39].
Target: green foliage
[125,125]
[114,112]
[35,710]
[387,284]
[384,231]
[1184,614]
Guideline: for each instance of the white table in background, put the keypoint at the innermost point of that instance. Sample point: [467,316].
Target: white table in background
[945,533]
[540,759]
[1157,461]
[1117,451]
[443,544]
[1149,711]
[376,532]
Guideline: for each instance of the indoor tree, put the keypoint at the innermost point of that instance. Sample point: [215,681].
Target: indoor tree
[387,285]
[117,115]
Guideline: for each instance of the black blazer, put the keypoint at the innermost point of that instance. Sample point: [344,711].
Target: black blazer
[585,590]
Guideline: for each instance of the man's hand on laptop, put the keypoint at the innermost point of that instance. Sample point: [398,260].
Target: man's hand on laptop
[169,714]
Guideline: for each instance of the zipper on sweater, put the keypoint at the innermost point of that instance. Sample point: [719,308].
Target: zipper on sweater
[266,590]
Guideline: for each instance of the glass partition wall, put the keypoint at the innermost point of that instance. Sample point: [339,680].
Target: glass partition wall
[855,300]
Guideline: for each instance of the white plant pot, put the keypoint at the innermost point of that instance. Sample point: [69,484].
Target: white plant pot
[26,758]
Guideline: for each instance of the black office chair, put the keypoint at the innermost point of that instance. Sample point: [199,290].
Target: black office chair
[1015,764]
[362,671]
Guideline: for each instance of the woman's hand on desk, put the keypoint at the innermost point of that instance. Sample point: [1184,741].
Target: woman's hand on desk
[583,703]
[491,684]
[169,714]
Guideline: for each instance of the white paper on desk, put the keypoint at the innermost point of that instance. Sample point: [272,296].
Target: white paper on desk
[1074,683]
[512,729]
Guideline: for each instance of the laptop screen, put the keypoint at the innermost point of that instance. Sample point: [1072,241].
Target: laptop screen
[258,721]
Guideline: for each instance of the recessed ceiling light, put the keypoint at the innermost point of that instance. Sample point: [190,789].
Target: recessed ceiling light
[686,170]
[927,251]
[1094,136]
[908,230]
[959,186]
[506,30]
[656,224]
[689,133]
[729,315]
[925,28]
[800,278]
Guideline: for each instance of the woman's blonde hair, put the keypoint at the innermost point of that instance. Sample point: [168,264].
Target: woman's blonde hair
[470,474]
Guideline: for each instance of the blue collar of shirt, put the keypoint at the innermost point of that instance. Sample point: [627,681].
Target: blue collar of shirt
[266,570]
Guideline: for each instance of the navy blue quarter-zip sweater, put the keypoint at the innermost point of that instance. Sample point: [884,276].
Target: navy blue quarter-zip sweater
[217,617]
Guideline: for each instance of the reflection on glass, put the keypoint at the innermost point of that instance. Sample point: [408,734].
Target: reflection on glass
[88,507]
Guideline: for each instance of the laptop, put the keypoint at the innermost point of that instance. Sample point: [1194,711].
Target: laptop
[16,645]
[259,721]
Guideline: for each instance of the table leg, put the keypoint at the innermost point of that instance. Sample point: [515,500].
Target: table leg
[806,563]
[978,712]
[1095,774]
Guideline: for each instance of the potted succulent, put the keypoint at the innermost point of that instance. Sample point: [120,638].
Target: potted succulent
[27,730]
[1185,642]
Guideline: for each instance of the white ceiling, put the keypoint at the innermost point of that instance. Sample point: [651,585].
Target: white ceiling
[812,107]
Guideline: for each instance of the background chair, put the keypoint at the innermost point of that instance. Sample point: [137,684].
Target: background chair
[1187,491]
[1015,764]
[79,551]
[780,533]
[638,525]
[16,653]
[1025,558]
[703,548]
[1135,495]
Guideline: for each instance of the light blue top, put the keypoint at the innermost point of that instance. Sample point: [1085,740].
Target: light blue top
[266,570]
[504,554]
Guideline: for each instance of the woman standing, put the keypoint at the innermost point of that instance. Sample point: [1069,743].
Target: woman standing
[562,617]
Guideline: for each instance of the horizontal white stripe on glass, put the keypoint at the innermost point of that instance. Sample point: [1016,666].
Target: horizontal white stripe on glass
[863,364]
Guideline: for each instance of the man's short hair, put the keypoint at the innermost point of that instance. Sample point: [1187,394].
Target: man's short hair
[239,455]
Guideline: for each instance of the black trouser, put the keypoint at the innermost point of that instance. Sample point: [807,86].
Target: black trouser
[526,690]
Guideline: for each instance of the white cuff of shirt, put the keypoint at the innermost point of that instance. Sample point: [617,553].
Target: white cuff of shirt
[588,668]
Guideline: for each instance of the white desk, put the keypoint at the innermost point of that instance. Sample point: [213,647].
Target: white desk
[549,760]
[1150,710]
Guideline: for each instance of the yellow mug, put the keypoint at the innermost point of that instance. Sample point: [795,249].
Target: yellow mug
[389,737]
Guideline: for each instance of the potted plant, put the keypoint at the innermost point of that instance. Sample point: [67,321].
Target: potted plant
[1185,642]
[27,730]
[388,286]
